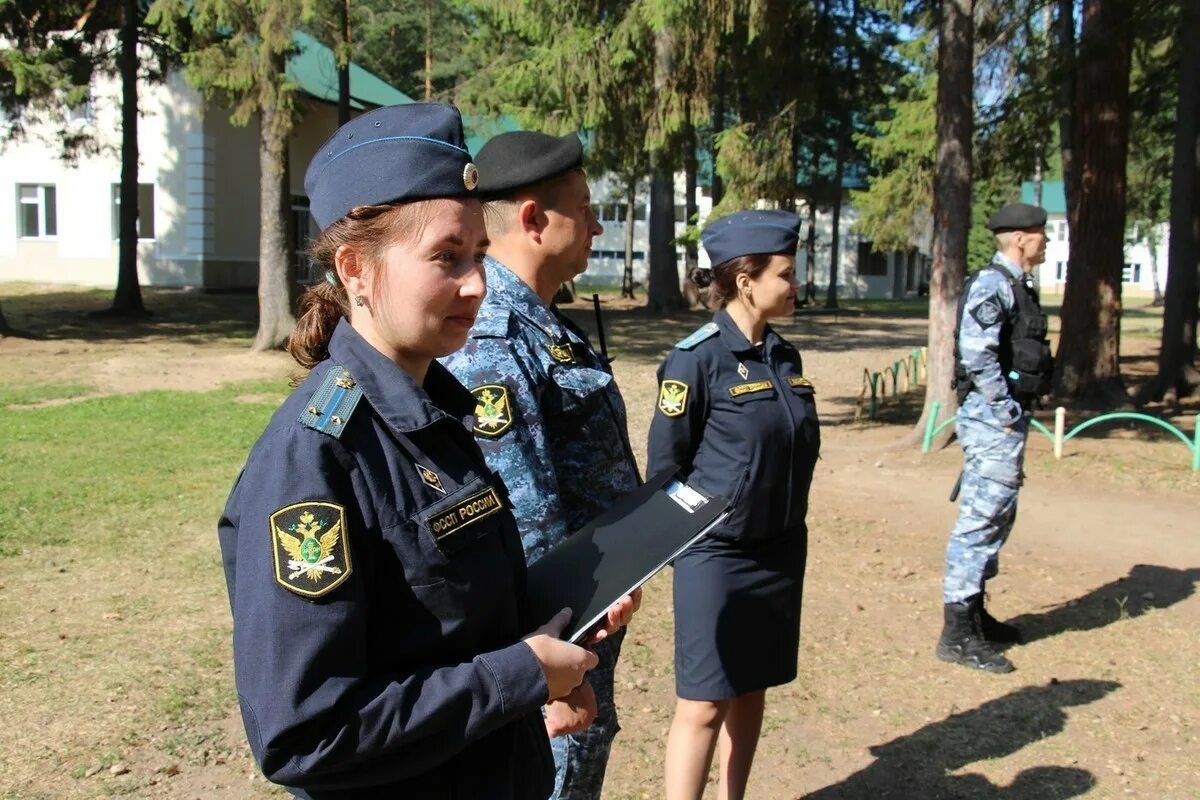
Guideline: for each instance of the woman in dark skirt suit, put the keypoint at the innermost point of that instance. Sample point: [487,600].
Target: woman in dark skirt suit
[736,413]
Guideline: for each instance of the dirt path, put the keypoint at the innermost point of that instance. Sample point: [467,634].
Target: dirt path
[1101,572]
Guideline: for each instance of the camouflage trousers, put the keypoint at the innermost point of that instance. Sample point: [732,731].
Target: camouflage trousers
[993,457]
[580,758]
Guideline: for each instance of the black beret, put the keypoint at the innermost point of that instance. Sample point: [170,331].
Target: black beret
[751,233]
[1017,217]
[414,151]
[516,159]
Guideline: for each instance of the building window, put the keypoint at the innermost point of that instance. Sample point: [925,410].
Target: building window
[1060,271]
[145,214]
[1060,230]
[870,262]
[303,231]
[37,210]
[1131,273]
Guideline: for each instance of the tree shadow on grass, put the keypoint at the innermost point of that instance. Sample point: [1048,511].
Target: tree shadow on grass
[181,315]
[1146,586]
[917,766]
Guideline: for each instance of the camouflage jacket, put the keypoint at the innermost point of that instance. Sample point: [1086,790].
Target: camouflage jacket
[989,300]
[549,416]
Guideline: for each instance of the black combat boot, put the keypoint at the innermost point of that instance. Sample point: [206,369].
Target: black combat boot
[994,630]
[962,640]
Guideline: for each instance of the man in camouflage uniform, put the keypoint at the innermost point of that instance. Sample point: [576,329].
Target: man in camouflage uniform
[1002,365]
[549,418]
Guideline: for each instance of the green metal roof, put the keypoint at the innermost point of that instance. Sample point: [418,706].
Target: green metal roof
[1054,199]
[314,69]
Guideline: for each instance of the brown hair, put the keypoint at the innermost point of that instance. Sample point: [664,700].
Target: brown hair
[724,275]
[370,229]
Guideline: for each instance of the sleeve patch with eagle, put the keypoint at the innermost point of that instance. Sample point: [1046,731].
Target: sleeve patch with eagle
[672,398]
[309,544]
[493,410]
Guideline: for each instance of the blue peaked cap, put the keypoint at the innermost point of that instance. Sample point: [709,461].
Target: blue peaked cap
[413,151]
[750,233]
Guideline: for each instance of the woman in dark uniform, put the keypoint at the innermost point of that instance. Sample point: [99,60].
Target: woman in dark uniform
[373,565]
[737,414]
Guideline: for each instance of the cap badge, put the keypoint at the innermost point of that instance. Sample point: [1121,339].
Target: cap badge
[470,176]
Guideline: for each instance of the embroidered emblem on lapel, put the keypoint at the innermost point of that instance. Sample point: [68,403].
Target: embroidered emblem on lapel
[309,545]
[430,478]
[796,380]
[672,398]
[749,388]
[474,508]
[562,353]
[493,413]
[743,371]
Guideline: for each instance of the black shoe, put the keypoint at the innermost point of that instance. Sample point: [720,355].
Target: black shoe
[962,640]
[995,631]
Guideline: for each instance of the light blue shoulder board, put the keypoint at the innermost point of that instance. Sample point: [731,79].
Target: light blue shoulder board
[330,407]
[706,331]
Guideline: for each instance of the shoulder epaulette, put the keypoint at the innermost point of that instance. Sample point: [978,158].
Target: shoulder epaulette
[705,331]
[330,407]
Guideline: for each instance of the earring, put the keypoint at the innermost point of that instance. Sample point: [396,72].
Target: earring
[358,301]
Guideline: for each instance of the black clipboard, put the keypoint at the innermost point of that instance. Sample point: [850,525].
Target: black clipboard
[620,550]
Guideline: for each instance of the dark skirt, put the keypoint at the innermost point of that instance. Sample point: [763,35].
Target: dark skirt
[737,615]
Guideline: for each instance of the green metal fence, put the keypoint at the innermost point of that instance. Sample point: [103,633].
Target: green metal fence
[875,384]
[1058,437]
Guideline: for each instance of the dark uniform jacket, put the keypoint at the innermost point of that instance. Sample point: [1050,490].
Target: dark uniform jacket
[742,422]
[557,435]
[375,576]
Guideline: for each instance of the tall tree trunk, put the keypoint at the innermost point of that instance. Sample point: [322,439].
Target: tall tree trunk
[127,300]
[1177,374]
[343,62]
[275,320]
[663,293]
[1087,368]
[690,208]
[428,50]
[718,127]
[951,204]
[835,256]
[630,220]
[1065,34]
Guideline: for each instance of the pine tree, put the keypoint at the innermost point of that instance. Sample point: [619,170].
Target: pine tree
[1086,364]
[239,57]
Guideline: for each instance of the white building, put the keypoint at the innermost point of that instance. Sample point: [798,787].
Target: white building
[861,273]
[198,184]
[1142,258]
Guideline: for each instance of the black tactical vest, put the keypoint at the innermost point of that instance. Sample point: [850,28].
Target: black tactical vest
[1024,353]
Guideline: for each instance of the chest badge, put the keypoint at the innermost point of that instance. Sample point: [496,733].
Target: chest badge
[562,353]
[430,478]
[493,413]
[672,398]
[743,371]
[309,546]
